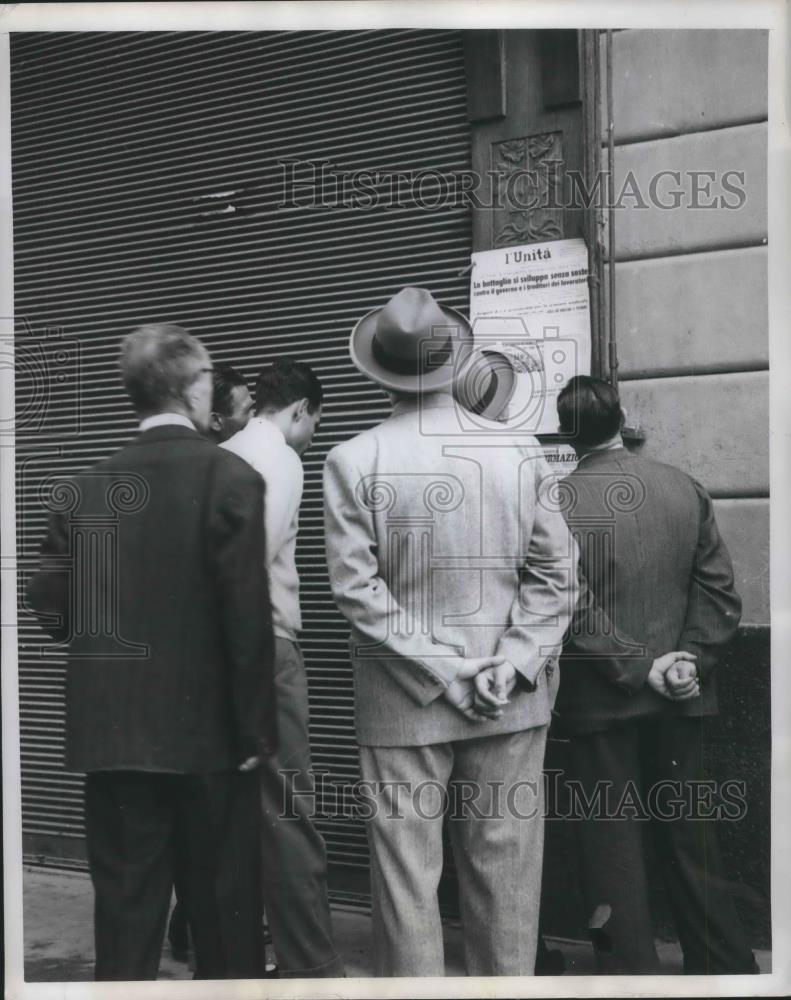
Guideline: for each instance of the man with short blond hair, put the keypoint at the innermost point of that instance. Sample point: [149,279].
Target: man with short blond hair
[169,700]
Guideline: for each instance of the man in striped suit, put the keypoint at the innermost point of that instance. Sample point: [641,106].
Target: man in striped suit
[658,578]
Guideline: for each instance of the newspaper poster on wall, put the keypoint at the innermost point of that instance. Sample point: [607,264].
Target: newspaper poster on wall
[561,458]
[530,305]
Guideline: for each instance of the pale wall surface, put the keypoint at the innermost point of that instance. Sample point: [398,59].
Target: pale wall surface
[712,426]
[745,526]
[703,191]
[692,314]
[691,285]
[671,82]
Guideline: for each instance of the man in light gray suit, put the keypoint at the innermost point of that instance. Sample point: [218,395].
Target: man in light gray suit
[458,577]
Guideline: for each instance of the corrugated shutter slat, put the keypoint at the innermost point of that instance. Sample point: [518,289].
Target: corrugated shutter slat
[123,144]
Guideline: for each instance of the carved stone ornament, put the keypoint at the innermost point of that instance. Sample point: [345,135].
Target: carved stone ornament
[529,177]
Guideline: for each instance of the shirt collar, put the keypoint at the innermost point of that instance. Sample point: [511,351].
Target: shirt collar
[164,419]
[596,453]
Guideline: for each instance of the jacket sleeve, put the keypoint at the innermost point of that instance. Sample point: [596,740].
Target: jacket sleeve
[547,591]
[238,552]
[713,606]
[593,637]
[421,665]
[48,591]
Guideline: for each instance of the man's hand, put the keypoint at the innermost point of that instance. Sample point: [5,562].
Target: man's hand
[473,665]
[661,667]
[461,692]
[493,685]
[682,680]
[250,764]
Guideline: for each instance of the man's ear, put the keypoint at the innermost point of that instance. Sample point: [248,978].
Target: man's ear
[215,422]
[301,409]
[624,416]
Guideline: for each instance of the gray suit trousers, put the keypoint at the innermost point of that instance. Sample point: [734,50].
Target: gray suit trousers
[294,862]
[496,818]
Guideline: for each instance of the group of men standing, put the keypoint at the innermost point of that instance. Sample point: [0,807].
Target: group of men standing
[195,734]
[473,594]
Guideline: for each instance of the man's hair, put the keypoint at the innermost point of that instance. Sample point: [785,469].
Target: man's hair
[589,410]
[283,383]
[155,365]
[226,379]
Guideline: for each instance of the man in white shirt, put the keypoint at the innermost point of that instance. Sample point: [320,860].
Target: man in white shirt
[288,401]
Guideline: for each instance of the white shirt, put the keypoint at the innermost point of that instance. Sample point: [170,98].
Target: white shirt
[263,446]
[163,419]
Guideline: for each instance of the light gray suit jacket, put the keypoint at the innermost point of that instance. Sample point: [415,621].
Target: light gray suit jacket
[443,543]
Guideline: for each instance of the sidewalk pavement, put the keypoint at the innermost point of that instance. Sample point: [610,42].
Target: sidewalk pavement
[58,932]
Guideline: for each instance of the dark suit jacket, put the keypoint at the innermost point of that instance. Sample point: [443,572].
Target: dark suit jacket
[156,578]
[659,578]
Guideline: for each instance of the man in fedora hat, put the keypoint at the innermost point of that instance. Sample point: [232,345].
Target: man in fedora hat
[458,578]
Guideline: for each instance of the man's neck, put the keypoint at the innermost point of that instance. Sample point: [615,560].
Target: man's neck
[278,418]
[610,445]
[165,417]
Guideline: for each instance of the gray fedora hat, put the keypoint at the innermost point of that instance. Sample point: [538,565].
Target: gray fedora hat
[412,344]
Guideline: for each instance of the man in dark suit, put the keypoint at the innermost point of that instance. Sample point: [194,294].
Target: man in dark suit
[637,677]
[153,572]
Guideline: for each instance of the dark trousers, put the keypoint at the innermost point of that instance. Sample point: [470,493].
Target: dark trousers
[294,862]
[239,883]
[139,826]
[238,886]
[638,756]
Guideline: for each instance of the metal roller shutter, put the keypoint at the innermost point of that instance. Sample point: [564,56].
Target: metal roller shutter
[145,188]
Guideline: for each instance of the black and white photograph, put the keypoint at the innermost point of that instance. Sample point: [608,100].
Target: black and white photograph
[388,458]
